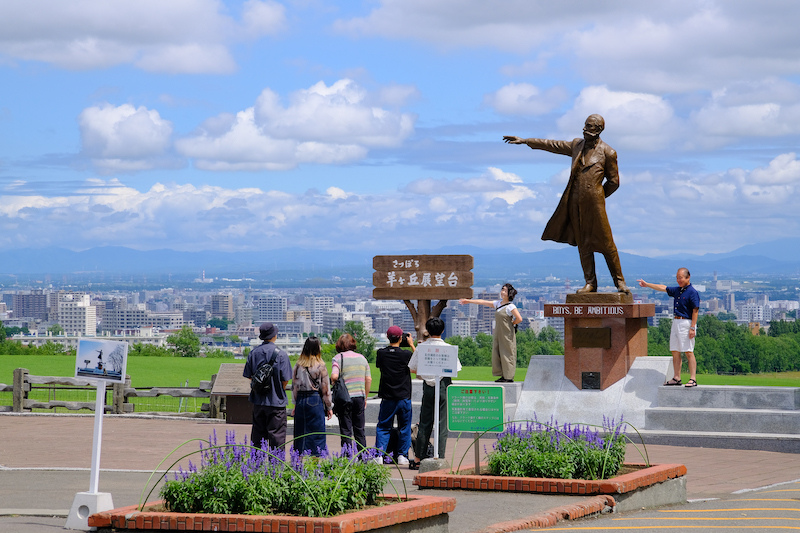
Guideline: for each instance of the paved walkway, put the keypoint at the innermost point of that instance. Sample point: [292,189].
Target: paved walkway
[45,460]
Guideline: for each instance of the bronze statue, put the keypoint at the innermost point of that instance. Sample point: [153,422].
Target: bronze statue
[580,218]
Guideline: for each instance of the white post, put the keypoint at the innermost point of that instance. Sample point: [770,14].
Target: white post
[88,503]
[436,399]
[99,411]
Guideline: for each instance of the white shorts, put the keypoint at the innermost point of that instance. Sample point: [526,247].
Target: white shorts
[679,340]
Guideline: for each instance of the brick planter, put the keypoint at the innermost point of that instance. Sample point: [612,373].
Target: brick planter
[430,511]
[645,477]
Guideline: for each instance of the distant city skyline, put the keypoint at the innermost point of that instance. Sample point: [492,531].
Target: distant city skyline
[257,124]
[147,316]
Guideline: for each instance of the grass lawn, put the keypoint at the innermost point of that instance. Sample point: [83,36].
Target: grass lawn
[173,371]
[176,371]
[771,379]
[144,371]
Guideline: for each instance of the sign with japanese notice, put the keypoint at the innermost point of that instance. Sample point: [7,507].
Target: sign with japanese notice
[475,408]
[437,360]
[422,277]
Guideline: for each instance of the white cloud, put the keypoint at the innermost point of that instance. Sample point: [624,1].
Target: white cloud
[338,113]
[321,125]
[179,36]
[525,99]
[123,137]
[639,121]
[783,170]
[516,25]
[397,95]
[191,58]
[674,46]
[767,108]
[649,213]
[725,209]
[263,18]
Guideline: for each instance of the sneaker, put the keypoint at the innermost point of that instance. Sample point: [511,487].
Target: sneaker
[402,460]
[377,460]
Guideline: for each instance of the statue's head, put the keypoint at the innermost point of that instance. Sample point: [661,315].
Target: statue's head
[593,127]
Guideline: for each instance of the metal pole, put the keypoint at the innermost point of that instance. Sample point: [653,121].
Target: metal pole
[436,421]
[477,447]
[99,406]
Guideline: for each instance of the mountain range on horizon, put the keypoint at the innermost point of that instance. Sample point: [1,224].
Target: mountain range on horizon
[775,258]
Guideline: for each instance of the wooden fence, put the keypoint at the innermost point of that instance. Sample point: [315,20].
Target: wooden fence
[121,393]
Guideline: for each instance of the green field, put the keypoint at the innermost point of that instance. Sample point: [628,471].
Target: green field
[177,371]
[766,379]
[152,372]
[171,371]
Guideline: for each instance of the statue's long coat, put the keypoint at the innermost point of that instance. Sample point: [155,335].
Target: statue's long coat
[585,195]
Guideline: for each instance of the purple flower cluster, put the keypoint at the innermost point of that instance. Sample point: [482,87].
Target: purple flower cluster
[270,461]
[552,437]
[240,478]
[553,450]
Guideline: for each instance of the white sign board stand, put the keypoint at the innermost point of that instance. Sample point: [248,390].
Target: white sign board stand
[440,360]
[112,369]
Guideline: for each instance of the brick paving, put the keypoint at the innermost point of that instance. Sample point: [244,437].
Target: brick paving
[63,442]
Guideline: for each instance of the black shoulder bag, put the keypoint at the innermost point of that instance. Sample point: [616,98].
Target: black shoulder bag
[341,396]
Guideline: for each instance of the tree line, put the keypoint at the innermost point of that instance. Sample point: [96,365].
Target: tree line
[725,347]
[478,351]
[721,347]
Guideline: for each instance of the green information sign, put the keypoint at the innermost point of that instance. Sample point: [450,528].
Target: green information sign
[475,408]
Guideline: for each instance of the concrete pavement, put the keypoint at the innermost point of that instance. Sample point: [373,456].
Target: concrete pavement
[45,460]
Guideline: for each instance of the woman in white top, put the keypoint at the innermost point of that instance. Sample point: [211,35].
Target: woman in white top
[504,345]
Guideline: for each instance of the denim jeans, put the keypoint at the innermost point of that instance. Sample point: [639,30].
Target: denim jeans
[390,408]
[309,417]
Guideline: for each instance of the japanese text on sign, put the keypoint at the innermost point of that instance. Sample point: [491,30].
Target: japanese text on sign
[422,279]
[475,408]
[437,360]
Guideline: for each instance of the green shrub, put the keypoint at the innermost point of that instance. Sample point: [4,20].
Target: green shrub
[241,479]
[550,451]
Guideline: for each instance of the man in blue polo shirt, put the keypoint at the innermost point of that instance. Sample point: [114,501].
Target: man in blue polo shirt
[684,324]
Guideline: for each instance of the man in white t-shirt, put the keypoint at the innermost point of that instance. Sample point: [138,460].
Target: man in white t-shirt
[435,328]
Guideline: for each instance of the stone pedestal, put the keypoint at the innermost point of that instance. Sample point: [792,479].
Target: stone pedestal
[603,334]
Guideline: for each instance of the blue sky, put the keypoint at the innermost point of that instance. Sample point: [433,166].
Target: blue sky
[197,124]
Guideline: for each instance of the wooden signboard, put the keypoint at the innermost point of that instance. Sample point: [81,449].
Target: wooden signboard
[422,277]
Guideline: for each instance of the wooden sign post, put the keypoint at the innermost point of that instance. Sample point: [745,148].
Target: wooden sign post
[423,278]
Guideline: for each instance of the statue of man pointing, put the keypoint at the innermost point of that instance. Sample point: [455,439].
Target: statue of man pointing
[580,218]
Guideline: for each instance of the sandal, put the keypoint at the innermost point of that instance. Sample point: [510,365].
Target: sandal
[673,382]
[691,383]
[413,465]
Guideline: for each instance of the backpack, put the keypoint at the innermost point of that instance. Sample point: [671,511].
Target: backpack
[262,378]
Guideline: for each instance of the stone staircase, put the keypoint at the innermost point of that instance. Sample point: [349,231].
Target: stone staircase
[756,418]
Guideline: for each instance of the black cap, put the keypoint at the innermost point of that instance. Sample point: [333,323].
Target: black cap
[267,330]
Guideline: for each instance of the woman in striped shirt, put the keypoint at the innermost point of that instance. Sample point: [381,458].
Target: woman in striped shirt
[353,368]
